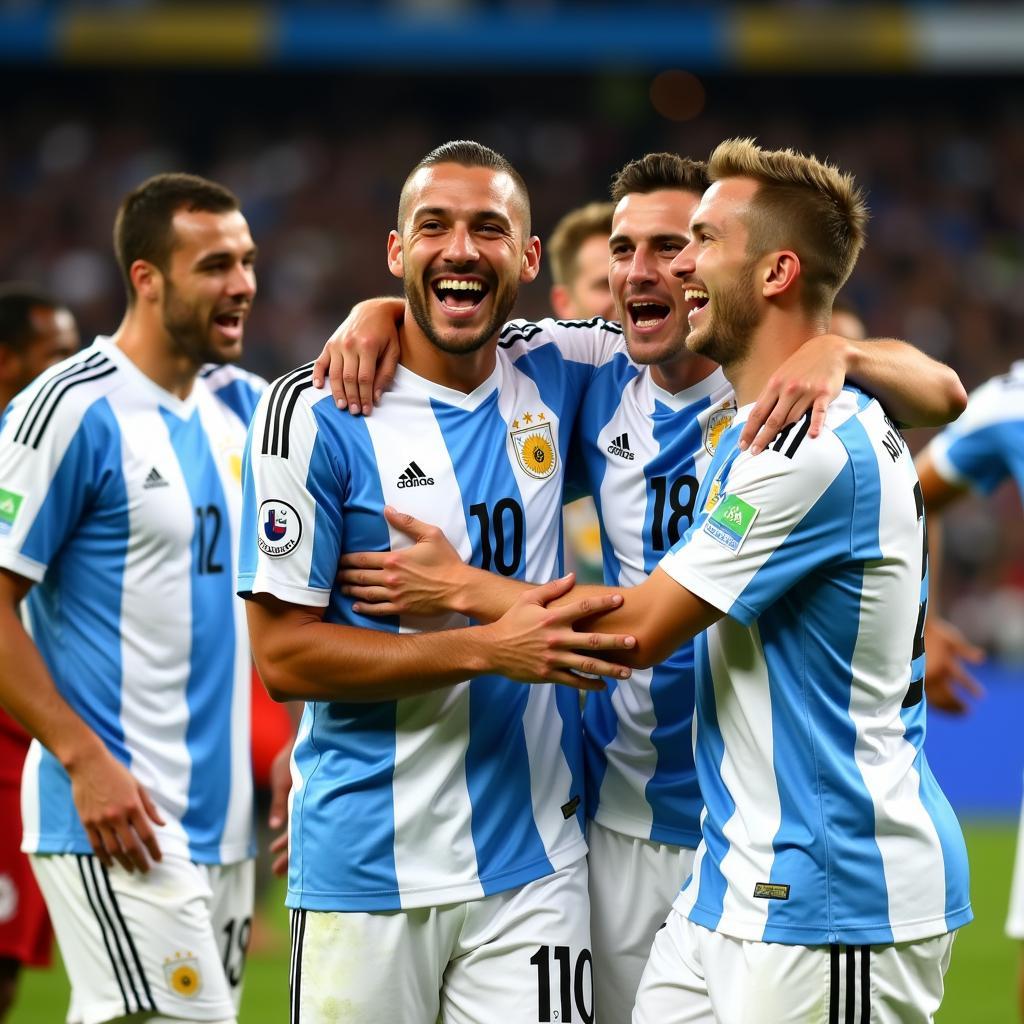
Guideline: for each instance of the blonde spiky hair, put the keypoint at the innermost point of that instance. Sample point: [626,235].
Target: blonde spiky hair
[802,204]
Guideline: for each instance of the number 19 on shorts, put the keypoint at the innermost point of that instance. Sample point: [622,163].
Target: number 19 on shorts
[571,998]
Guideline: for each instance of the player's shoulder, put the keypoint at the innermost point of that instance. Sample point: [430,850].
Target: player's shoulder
[518,337]
[999,400]
[216,377]
[276,418]
[59,399]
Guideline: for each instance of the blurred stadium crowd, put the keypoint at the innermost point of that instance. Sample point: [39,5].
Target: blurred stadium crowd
[318,158]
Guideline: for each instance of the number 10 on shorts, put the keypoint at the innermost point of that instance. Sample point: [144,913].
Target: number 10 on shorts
[575,985]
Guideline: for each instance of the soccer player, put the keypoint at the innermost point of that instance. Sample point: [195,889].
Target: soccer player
[437,859]
[119,471]
[645,436]
[984,448]
[831,872]
[36,331]
[578,253]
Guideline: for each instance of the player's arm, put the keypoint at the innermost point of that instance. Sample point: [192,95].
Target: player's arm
[946,648]
[430,578]
[114,809]
[915,389]
[301,657]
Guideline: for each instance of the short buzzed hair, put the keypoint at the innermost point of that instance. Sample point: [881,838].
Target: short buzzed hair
[802,204]
[657,171]
[467,153]
[143,228]
[17,300]
[575,228]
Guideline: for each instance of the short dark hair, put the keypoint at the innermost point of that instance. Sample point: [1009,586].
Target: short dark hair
[575,228]
[17,300]
[467,153]
[143,227]
[657,171]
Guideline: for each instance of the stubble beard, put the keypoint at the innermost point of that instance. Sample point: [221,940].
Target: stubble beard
[416,296]
[727,336]
[189,333]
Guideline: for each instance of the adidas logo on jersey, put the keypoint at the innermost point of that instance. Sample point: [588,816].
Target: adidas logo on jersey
[620,447]
[154,479]
[415,477]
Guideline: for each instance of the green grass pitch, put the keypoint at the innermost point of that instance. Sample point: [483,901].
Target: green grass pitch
[979,987]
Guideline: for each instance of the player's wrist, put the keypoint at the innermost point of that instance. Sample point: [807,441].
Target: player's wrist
[77,749]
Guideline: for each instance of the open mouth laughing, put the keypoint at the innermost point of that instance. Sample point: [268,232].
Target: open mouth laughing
[696,298]
[460,297]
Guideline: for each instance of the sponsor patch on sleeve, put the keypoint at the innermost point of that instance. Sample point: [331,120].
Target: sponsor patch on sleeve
[279,528]
[730,522]
[10,503]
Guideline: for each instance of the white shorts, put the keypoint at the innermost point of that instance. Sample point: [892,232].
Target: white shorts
[696,976]
[171,941]
[632,885]
[516,957]
[1015,917]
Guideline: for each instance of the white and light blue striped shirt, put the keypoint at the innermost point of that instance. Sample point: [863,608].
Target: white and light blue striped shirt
[122,505]
[823,822]
[474,788]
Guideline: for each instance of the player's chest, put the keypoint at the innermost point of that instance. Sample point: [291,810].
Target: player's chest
[180,478]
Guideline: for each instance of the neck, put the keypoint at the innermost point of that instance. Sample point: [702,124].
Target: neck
[146,343]
[682,373]
[772,342]
[462,373]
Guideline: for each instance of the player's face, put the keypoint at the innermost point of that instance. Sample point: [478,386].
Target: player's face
[719,275]
[648,231]
[462,254]
[209,285]
[590,292]
[55,337]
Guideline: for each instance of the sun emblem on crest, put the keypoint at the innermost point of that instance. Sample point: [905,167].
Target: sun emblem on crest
[534,446]
[718,423]
[182,973]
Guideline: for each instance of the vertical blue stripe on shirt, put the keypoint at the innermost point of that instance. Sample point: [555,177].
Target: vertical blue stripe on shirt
[347,760]
[212,654]
[496,706]
[710,754]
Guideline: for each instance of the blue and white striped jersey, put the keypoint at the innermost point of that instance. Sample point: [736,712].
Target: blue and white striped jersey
[642,453]
[474,788]
[122,502]
[986,444]
[823,822]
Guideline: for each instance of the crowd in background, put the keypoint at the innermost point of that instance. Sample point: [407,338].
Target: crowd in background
[318,159]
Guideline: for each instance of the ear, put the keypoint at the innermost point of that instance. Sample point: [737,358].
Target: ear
[561,302]
[780,273]
[531,260]
[146,280]
[396,264]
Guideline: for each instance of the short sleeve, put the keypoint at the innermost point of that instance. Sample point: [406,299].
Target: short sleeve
[291,506]
[49,475]
[975,450]
[778,519]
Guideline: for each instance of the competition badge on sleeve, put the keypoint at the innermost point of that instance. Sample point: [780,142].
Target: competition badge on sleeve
[534,444]
[730,522]
[9,505]
[279,529]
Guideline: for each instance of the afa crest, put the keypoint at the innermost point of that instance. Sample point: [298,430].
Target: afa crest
[718,423]
[534,445]
[182,973]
